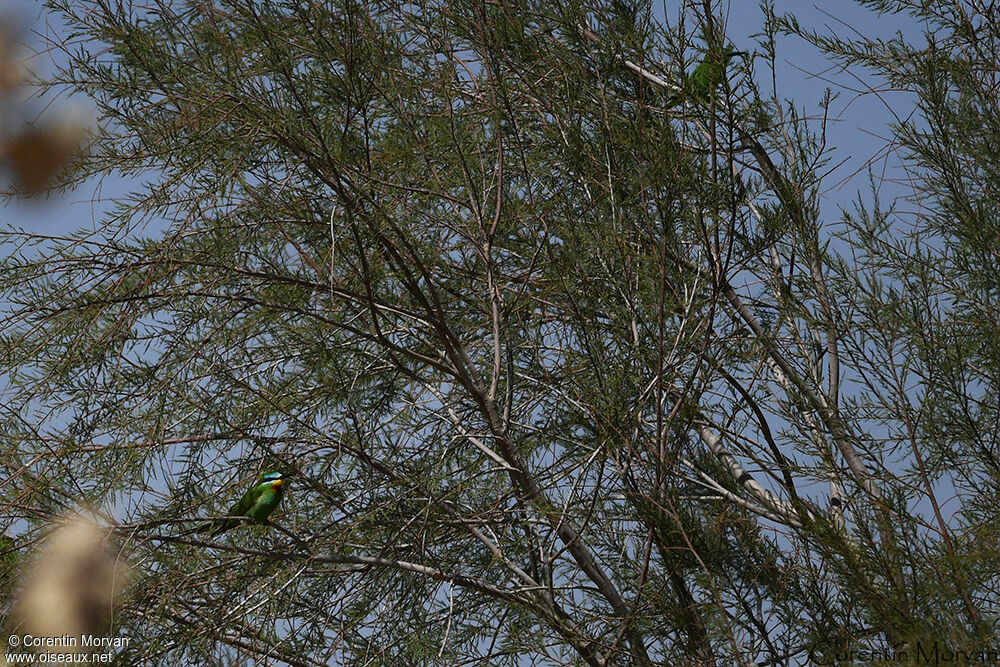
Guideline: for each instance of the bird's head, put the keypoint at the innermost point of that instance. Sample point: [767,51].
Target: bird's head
[728,53]
[273,479]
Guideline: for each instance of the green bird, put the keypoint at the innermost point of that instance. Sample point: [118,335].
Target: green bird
[709,73]
[257,503]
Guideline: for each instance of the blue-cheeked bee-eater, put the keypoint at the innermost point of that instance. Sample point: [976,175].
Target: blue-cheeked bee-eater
[257,503]
[710,72]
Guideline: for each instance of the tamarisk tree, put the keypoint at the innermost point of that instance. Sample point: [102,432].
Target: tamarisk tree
[559,365]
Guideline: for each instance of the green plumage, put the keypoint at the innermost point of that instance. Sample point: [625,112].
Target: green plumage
[257,503]
[709,73]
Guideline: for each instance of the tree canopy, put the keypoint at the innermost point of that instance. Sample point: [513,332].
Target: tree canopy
[562,365]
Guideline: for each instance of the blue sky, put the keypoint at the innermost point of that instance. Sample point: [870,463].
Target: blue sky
[859,131]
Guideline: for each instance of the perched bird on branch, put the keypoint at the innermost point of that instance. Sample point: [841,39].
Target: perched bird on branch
[710,72]
[257,504]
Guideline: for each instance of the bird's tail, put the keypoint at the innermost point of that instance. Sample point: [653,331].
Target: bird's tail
[207,528]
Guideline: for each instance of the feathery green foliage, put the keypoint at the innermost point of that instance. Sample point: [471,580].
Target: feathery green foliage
[561,378]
